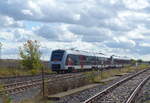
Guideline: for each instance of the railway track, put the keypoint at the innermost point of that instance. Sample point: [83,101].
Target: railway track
[120,91]
[14,79]
[18,87]
[135,93]
[13,85]
[9,80]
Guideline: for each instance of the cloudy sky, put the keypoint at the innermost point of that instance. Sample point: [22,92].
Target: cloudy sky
[120,27]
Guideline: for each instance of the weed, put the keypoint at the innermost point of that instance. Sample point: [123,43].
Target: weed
[96,77]
[18,72]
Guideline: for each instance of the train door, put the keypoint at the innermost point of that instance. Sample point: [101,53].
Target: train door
[82,61]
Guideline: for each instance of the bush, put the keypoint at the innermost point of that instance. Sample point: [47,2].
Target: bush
[30,55]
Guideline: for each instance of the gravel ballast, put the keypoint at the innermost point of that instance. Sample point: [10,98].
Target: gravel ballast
[121,93]
[145,94]
[84,95]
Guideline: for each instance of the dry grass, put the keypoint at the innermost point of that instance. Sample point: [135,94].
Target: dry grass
[5,98]
[4,72]
[12,67]
[98,77]
[92,76]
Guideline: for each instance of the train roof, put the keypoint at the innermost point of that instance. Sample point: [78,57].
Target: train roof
[121,57]
[81,52]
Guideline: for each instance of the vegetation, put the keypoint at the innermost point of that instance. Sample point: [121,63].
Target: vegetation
[1,89]
[29,64]
[139,61]
[5,98]
[133,61]
[10,67]
[30,55]
[4,72]
[91,76]
[95,76]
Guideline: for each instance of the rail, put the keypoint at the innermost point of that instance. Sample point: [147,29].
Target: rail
[15,88]
[134,95]
[107,90]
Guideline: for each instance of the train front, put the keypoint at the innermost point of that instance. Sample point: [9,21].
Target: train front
[57,61]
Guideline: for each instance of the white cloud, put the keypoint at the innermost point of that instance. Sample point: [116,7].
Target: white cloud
[136,4]
[7,21]
[124,40]
[145,44]
[27,12]
[121,42]
[56,32]
[111,26]
[5,36]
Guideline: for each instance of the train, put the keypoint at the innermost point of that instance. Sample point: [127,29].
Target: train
[76,60]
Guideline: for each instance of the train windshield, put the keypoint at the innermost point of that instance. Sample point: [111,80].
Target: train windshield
[57,55]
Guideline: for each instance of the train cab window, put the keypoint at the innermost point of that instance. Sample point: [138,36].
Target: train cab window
[57,55]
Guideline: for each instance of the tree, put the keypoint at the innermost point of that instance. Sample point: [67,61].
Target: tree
[133,61]
[30,55]
[140,61]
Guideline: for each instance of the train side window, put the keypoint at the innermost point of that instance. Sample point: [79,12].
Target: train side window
[73,58]
[69,60]
[76,59]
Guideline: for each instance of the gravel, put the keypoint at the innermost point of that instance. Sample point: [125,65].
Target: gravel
[145,94]
[83,95]
[8,80]
[74,98]
[1,100]
[121,93]
[28,94]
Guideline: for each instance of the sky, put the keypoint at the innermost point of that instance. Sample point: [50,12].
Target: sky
[113,27]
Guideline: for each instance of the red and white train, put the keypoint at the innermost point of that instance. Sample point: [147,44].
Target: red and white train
[75,60]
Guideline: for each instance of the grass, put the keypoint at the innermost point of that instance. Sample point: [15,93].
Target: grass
[4,72]
[95,77]
[92,76]
[5,98]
